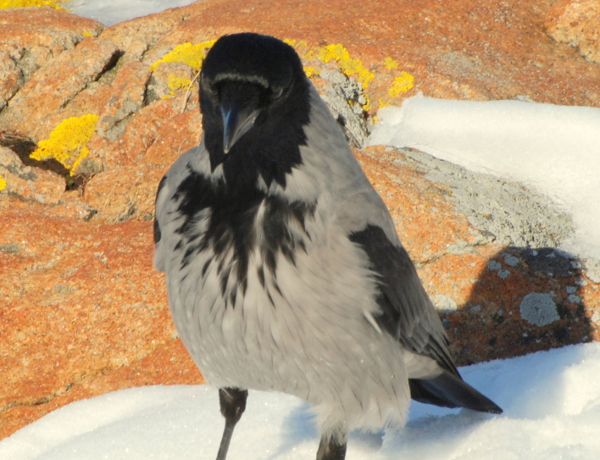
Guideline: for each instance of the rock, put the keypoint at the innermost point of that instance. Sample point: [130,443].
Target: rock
[169,363]
[54,85]
[124,193]
[169,78]
[576,23]
[83,310]
[55,31]
[128,90]
[345,98]
[80,301]
[137,36]
[153,123]
[181,133]
[10,75]
[475,50]
[504,211]
[24,49]
[29,183]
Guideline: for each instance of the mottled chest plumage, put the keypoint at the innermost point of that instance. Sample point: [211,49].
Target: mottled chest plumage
[231,228]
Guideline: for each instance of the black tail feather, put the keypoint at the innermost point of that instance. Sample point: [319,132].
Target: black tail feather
[450,391]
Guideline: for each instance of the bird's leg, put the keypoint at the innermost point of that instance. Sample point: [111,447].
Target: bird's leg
[331,449]
[233,405]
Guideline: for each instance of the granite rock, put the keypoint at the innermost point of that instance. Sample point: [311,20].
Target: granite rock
[576,23]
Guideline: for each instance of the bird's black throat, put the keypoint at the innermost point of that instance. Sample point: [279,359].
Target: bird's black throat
[270,149]
[232,227]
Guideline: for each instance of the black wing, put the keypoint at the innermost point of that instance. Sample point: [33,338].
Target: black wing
[408,314]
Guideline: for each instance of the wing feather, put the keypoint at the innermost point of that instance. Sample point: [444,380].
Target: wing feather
[406,310]
[408,314]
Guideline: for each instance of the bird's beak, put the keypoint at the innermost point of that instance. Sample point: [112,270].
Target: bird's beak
[236,123]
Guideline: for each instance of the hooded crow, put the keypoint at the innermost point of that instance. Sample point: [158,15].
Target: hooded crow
[284,271]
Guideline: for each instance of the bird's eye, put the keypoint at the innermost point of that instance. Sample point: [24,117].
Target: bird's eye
[276,93]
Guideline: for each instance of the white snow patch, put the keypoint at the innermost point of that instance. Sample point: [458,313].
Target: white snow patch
[552,149]
[110,12]
[551,402]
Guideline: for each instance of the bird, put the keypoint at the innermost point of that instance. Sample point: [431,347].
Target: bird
[284,271]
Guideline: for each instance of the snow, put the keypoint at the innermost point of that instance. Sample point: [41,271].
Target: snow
[551,401]
[110,12]
[552,149]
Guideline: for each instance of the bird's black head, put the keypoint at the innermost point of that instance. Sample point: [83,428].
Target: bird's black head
[255,103]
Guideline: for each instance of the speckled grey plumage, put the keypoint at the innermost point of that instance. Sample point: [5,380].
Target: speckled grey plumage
[325,322]
[317,342]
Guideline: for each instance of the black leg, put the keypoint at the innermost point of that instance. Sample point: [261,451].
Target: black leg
[233,405]
[329,449]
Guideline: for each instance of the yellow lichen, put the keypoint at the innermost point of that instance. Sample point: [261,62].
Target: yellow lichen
[301,47]
[2,183]
[383,103]
[310,71]
[401,84]
[175,84]
[390,64]
[192,55]
[347,65]
[367,105]
[8,4]
[67,143]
